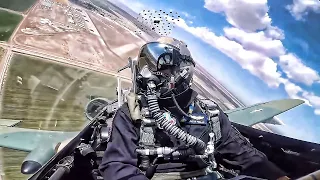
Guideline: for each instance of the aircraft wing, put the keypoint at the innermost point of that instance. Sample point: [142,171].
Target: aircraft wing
[29,139]
[261,112]
[40,144]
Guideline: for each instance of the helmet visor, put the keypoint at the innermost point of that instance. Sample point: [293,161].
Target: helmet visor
[161,57]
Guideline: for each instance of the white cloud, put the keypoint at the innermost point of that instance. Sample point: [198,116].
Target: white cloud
[293,91]
[300,8]
[297,71]
[310,99]
[187,15]
[132,4]
[274,32]
[256,41]
[249,15]
[314,101]
[257,63]
[317,111]
[297,92]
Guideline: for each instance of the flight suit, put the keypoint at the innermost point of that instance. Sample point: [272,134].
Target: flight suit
[120,160]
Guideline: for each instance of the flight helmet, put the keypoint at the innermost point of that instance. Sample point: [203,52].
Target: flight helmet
[169,63]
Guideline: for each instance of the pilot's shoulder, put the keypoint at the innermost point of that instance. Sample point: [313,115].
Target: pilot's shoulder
[212,106]
[206,102]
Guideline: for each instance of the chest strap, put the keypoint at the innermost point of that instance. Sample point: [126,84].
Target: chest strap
[215,124]
[211,109]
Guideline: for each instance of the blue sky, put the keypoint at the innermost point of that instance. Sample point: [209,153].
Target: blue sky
[260,50]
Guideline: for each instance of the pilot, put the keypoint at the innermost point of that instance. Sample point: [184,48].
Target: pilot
[186,127]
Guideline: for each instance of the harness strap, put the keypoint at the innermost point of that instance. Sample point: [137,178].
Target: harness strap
[215,127]
[212,111]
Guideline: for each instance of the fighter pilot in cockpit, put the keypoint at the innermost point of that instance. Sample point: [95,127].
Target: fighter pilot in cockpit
[165,131]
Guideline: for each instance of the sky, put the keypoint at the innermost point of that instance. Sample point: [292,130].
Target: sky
[260,50]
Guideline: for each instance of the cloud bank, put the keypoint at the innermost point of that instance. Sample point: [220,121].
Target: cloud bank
[244,14]
[254,43]
[301,8]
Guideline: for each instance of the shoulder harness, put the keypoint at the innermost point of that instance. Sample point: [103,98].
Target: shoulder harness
[212,110]
[207,107]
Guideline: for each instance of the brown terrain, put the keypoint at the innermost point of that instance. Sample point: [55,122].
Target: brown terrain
[72,34]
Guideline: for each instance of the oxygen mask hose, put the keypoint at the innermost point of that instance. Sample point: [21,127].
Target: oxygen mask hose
[164,123]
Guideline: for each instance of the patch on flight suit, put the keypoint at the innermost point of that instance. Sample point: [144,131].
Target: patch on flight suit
[196,118]
[199,119]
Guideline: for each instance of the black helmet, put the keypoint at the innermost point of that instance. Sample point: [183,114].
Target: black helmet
[169,63]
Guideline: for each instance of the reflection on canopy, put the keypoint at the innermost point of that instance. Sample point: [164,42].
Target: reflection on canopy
[50,96]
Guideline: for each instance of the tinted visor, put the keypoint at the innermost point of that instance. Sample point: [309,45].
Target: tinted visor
[160,57]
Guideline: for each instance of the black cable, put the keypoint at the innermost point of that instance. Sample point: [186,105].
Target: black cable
[179,108]
[163,122]
[152,169]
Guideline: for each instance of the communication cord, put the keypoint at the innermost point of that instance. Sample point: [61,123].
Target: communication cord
[164,123]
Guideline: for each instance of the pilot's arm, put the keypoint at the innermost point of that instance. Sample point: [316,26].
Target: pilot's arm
[236,151]
[120,159]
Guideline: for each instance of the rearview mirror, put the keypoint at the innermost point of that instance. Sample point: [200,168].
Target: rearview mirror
[94,106]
